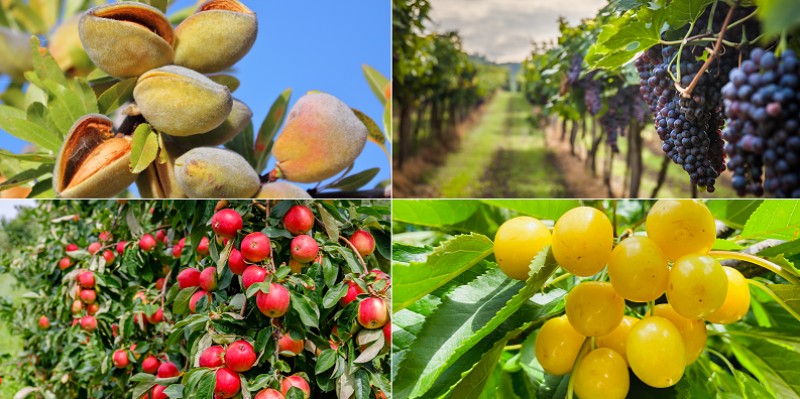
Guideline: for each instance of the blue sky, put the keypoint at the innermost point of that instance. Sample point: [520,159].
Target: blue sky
[317,45]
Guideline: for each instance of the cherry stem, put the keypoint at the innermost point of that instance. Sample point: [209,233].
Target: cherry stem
[787,274]
[587,344]
[686,93]
[360,259]
[557,280]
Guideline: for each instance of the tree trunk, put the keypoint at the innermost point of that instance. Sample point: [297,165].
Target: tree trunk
[418,123]
[405,133]
[635,149]
[662,176]
[436,124]
[573,135]
[564,129]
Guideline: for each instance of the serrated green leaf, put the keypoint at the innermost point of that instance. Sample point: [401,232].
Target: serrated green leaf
[734,213]
[269,128]
[472,385]
[116,95]
[548,210]
[417,279]
[467,315]
[620,41]
[774,219]
[772,366]
[144,148]
[433,213]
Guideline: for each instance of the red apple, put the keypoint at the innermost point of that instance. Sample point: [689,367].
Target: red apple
[168,369]
[161,235]
[212,357]
[88,296]
[147,243]
[108,255]
[304,248]
[227,385]
[379,274]
[353,290]
[72,247]
[120,358]
[202,246]
[226,223]
[255,247]
[94,247]
[156,317]
[44,323]
[298,220]
[240,356]
[141,296]
[105,236]
[140,319]
[158,392]
[77,306]
[86,280]
[296,266]
[364,242]
[372,313]
[236,262]
[189,277]
[290,347]
[252,275]
[92,309]
[275,303]
[121,247]
[150,364]
[208,279]
[387,334]
[176,251]
[269,393]
[297,382]
[196,298]
[160,283]
[88,323]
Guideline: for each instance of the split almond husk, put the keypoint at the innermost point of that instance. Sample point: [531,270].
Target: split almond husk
[93,163]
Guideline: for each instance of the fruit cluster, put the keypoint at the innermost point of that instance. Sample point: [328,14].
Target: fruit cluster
[131,40]
[595,339]
[228,315]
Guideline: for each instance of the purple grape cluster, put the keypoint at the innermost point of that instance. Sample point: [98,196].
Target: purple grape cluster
[762,105]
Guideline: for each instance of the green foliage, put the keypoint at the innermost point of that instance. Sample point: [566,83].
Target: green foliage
[68,362]
[465,330]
